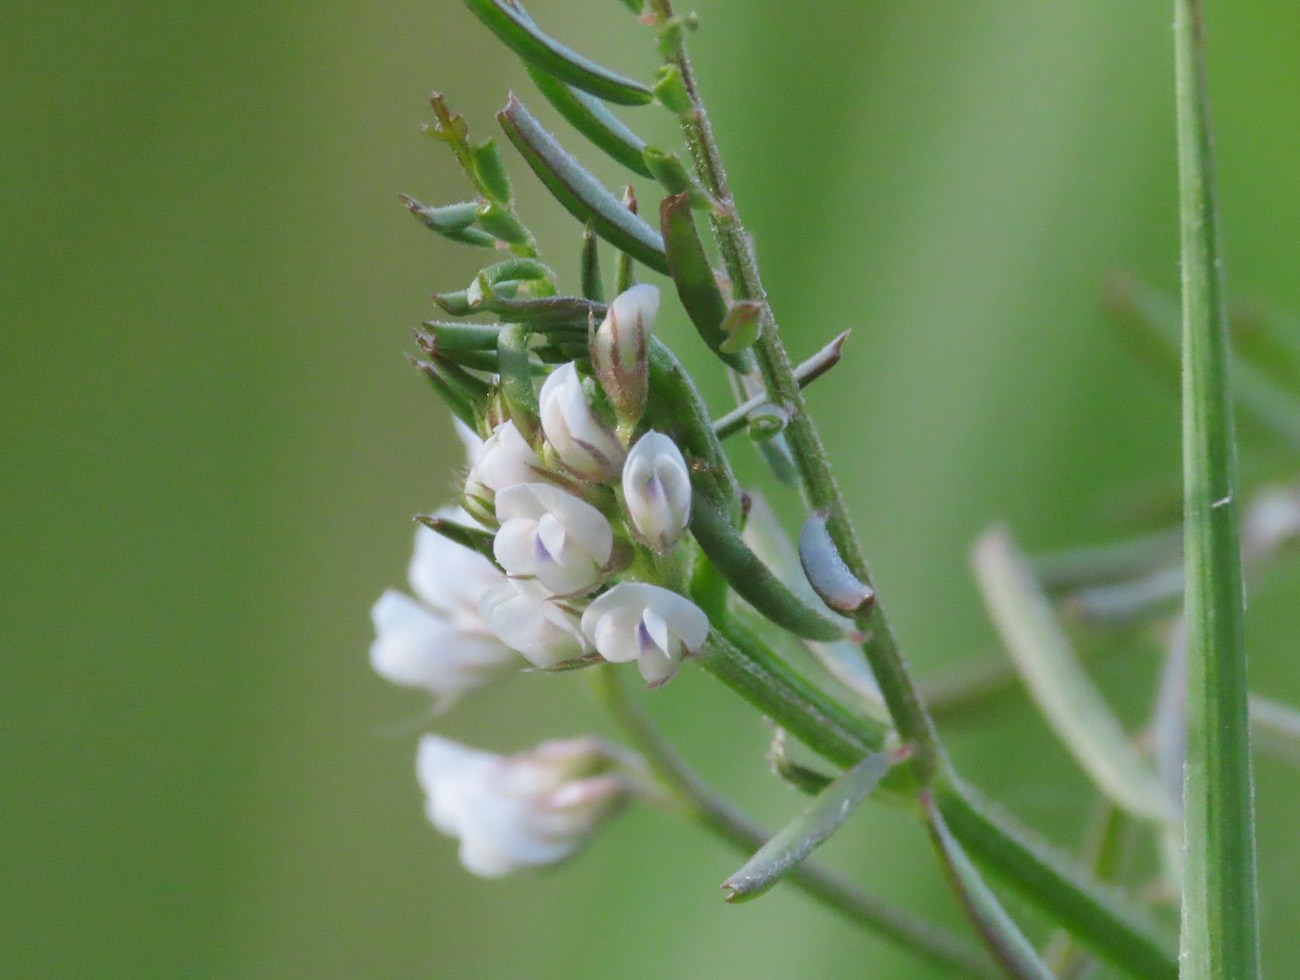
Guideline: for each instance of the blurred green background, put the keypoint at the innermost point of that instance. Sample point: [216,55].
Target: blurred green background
[210,448]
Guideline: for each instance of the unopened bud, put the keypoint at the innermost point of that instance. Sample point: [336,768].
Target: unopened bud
[619,351]
[657,489]
[582,441]
[504,460]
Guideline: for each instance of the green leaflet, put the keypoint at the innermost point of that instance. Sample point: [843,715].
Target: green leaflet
[582,195]
[517,30]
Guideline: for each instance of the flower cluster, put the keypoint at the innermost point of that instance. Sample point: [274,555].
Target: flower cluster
[580,526]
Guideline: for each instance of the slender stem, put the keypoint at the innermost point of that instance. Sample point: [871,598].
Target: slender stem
[1220,930]
[739,659]
[822,492]
[696,801]
[1102,917]
[1107,850]
[1043,876]
[806,373]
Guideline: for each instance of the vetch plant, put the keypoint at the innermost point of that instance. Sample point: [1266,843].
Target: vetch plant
[609,527]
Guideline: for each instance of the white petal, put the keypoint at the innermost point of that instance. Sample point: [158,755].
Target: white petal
[505,460]
[550,534]
[584,527]
[657,629]
[514,812]
[613,620]
[572,573]
[581,440]
[515,546]
[450,577]
[407,638]
[639,302]
[656,667]
[418,648]
[525,621]
[450,775]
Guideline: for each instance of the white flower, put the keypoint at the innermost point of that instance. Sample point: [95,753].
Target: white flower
[521,614]
[440,643]
[504,460]
[552,536]
[521,811]
[581,440]
[619,350]
[657,489]
[651,625]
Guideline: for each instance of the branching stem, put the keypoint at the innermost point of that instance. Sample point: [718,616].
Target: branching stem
[697,802]
[820,489]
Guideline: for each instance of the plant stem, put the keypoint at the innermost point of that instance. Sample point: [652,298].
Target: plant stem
[896,685]
[737,658]
[1220,931]
[1042,876]
[699,803]
[1098,915]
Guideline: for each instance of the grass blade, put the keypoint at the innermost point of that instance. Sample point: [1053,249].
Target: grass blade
[1220,929]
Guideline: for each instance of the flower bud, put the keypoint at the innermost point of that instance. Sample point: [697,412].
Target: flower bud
[521,811]
[619,351]
[582,441]
[504,460]
[440,642]
[651,625]
[522,616]
[657,489]
[551,536]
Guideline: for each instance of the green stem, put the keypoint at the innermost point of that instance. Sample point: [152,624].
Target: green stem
[1220,931]
[896,685]
[698,802]
[1099,916]
[742,662]
[1042,876]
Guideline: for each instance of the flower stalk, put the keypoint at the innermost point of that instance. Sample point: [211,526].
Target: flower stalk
[696,802]
[880,647]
